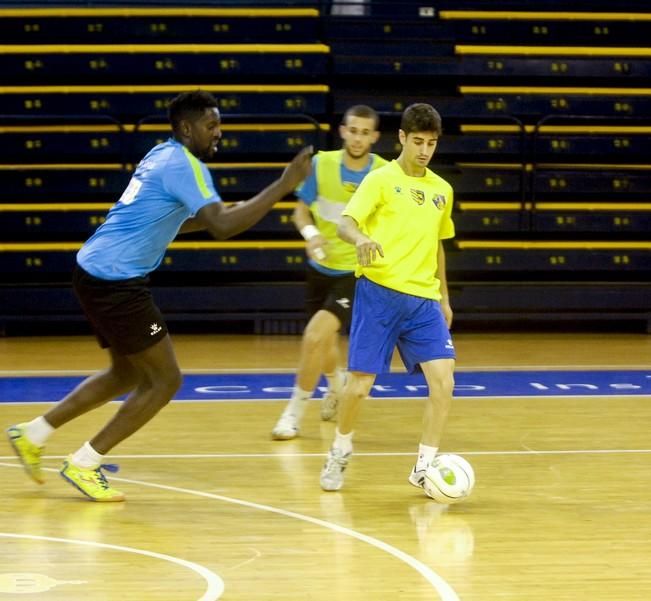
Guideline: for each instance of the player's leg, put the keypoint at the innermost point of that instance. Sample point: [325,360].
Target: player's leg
[374,330]
[130,323]
[316,344]
[426,341]
[28,439]
[161,378]
[317,339]
[96,390]
[97,297]
[356,389]
[320,356]
[439,375]
[339,302]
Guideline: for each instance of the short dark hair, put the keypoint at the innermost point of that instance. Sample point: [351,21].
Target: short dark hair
[364,112]
[190,106]
[421,117]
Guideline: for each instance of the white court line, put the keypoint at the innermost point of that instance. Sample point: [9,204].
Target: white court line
[444,590]
[361,454]
[215,583]
[615,396]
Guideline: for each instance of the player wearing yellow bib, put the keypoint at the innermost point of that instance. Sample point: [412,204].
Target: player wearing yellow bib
[330,281]
[396,220]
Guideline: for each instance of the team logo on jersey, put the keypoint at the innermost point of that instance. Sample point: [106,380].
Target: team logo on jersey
[439,201]
[350,186]
[418,196]
[397,189]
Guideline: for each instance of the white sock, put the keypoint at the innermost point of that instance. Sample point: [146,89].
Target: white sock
[336,380]
[38,431]
[298,402]
[343,442]
[87,457]
[425,456]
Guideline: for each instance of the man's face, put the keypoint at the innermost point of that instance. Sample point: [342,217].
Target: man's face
[358,134]
[204,134]
[418,147]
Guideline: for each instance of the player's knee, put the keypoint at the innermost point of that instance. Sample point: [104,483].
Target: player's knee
[169,382]
[127,377]
[442,387]
[357,390]
[314,338]
[175,380]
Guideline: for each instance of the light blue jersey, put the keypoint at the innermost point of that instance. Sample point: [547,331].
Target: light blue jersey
[169,186]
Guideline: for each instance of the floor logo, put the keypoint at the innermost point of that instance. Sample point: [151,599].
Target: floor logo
[24,583]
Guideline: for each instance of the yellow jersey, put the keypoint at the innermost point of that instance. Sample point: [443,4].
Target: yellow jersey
[332,194]
[407,216]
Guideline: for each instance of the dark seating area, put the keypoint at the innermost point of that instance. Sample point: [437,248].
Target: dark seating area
[546,142]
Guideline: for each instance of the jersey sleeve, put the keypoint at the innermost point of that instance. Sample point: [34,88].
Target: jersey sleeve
[447,225]
[189,181]
[307,191]
[365,199]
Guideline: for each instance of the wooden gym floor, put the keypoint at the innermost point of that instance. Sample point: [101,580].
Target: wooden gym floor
[561,509]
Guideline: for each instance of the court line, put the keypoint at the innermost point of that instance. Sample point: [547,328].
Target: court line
[444,590]
[615,396]
[215,583]
[361,454]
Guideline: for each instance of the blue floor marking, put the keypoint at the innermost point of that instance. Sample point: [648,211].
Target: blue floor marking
[230,387]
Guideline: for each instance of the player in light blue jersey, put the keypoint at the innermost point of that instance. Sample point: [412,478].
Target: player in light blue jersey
[171,191]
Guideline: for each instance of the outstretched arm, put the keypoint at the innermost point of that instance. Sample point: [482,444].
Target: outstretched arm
[224,222]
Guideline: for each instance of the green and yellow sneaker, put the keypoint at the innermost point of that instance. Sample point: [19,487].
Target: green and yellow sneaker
[92,482]
[28,453]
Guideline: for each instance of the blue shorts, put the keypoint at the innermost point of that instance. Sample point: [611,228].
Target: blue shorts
[384,318]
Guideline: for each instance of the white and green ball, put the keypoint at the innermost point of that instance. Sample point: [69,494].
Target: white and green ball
[449,479]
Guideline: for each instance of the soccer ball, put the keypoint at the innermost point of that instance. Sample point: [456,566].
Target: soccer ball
[449,479]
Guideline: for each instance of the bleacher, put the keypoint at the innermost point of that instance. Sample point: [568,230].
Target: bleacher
[84,96]
[546,121]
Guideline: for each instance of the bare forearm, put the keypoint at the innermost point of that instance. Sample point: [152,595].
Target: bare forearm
[302,216]
[223,222]
[348,230]
[367,250]
[243,215]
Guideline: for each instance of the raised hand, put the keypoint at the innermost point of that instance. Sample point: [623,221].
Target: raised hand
[298,169]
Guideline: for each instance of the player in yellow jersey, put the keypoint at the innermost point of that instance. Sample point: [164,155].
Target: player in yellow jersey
[330,279]
[396,220]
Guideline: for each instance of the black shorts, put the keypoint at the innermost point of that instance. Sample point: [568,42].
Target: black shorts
[332,293]
[122,312]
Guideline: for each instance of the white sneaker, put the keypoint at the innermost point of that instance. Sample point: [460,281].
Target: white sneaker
[330,399]
[332,474]
[417,477]
[329,405]
[287,426]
